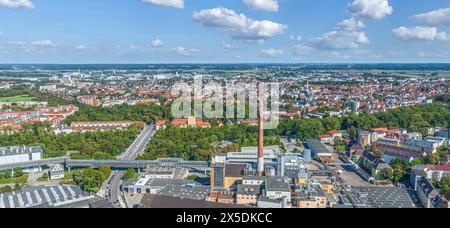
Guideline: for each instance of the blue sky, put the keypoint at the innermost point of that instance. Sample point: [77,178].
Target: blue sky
[224,31]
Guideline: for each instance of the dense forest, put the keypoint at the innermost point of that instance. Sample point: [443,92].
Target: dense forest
[140,112]
[200,143]
[91,145]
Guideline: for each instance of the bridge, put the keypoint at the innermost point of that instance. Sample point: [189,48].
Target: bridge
[126,164]
[114,164]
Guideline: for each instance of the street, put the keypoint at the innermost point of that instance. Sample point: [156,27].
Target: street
[136,148]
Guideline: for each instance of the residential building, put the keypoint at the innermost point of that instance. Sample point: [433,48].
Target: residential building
[372,164]
[56,172]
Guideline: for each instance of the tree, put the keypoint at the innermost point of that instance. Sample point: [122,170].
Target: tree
[18,172]
[398,174]
[387,174]
[130,174]
[378,153]
[7,175]
[90,179]
[417,161]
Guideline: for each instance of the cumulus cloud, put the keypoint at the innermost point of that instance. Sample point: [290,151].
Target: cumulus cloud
[157,43]
[350,24]
[436,17]
[16,4]
[340,40]
[420,33]
[167,3]
[239,26]
[295,38]
[265,5]
[186,51]
[371,9]
[271,52]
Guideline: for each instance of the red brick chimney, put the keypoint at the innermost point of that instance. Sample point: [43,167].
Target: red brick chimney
[261,138]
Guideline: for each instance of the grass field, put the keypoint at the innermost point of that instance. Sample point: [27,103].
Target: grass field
[16,99]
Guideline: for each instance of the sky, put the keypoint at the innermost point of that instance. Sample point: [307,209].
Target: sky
[224,31]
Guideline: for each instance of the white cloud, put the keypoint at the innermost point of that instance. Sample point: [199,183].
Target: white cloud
[436,17]
[157,43]
[238,26]
[186,51]
[420,33]
[265,5]
[271,52]
[350,24]
[340,40]
[35,44]
[295,38]
[82,47]
[299,50]
[16,4]
[371,9]
[43,43]
[167,3]
[228,46]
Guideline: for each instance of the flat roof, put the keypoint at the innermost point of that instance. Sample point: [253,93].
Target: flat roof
[186,192]
[316,147]
[277,183]
[384,197]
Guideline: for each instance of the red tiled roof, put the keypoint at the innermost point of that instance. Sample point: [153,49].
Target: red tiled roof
[380,129]
[203,124]
[326,136]
[160,122]
[443,168]
[179,122]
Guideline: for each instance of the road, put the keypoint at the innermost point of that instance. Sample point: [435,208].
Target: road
[136,148]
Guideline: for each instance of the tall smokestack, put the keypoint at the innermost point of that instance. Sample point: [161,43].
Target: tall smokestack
[261,138]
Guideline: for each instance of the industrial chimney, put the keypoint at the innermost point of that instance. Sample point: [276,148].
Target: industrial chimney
[261,138]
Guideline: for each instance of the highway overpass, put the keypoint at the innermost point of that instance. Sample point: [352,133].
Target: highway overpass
[114,164]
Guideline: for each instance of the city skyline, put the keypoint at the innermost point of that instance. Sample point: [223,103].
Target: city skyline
[213,31]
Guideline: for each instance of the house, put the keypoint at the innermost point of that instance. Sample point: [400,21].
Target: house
[428,195]
[373,164]
[190,122]
[355,152]
[160,124]
[326,139]
[56,172]
[336,134]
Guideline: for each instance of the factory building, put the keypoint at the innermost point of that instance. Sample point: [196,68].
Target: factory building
[19,154]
